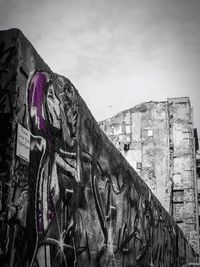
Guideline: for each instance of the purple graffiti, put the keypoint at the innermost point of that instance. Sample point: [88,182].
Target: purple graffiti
[37,96]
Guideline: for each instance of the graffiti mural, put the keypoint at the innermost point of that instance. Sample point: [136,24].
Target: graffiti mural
[57,173]
[76,201]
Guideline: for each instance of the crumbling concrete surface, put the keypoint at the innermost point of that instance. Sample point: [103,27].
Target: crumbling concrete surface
[157,139]
[67,195]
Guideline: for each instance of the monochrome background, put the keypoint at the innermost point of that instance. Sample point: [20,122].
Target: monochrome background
[117,53]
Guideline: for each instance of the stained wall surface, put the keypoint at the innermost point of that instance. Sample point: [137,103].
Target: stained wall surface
[67,195]
[158,141]
[142,136]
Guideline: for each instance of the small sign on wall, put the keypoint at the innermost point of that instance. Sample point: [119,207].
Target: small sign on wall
[23,143]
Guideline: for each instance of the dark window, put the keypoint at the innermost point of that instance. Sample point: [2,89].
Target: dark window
[126,147]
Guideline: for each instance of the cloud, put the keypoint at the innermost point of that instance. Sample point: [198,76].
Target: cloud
[117,53]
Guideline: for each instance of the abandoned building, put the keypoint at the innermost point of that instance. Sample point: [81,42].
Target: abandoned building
[67,195]
[159,142]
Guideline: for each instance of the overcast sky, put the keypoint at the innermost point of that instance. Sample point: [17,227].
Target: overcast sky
[117,53]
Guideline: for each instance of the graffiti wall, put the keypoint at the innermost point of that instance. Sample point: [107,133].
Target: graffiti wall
[67,196]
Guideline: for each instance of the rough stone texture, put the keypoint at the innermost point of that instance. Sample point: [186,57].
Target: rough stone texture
[159,144]
[182,137]
[147,143]
[76,201]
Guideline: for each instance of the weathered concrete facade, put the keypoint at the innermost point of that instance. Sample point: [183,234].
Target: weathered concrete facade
[158,141]
[67,196]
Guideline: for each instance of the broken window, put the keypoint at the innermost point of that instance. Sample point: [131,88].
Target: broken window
[126,147]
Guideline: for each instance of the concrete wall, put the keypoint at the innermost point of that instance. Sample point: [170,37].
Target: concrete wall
[184,193]
[159,144]
[67,196]
[146,135]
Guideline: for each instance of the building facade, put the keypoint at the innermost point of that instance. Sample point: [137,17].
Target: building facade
[157,139]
